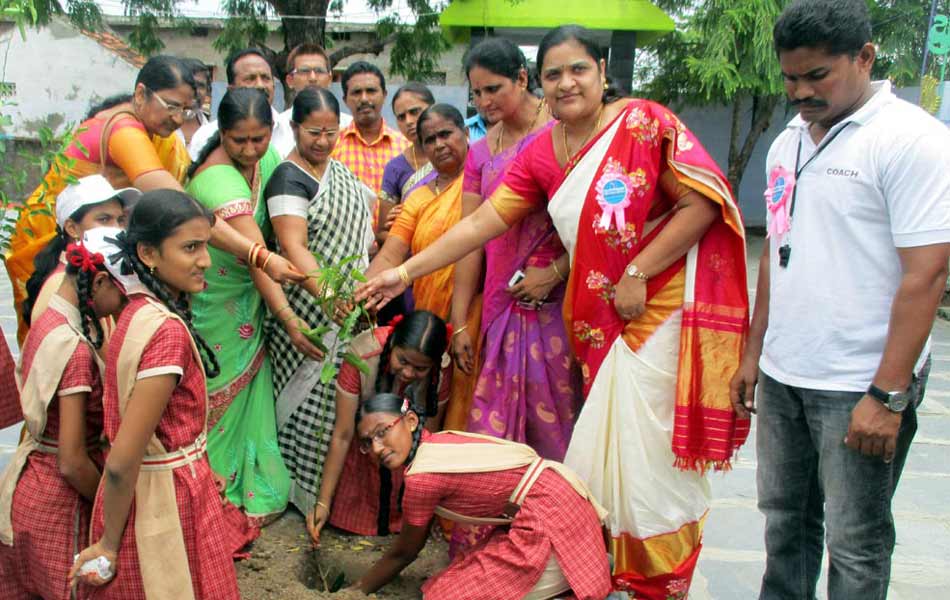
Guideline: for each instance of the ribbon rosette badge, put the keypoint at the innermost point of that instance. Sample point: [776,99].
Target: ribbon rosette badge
[781,184]
[613,195]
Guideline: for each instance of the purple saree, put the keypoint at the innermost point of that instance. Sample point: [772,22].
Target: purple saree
[526,390]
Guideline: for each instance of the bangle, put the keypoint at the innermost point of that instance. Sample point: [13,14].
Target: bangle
[459,330]
[266,259]
[280,310]
[404,274]
[290,318]
[556,270]
[319,503]
[252,254]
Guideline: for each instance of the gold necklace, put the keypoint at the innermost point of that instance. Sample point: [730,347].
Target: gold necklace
[412,158]
[501,130]
[567,151]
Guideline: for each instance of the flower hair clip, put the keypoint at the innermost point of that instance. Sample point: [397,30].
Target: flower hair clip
[405,406]
[80,257]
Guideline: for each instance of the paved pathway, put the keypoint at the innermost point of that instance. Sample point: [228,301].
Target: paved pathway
[733,558]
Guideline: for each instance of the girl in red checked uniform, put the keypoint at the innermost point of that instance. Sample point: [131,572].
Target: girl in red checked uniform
[158,523]
[548,541]
[407,358]
[47,490]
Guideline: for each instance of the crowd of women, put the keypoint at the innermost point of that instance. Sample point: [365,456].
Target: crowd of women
[567,303]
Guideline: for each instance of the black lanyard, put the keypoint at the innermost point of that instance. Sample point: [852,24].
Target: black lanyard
[785,251]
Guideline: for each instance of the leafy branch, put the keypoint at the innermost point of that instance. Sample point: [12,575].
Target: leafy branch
[337,284]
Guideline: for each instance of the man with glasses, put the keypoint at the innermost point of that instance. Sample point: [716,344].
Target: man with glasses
[252,69]
[309,66]
[202,74]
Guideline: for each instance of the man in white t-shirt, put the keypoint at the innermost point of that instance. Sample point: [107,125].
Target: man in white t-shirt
[307,66]
[248,68]
[849,282]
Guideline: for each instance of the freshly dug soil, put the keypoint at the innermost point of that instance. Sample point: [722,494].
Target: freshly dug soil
[284,567]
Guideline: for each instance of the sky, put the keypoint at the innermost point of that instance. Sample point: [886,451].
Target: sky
[355,11]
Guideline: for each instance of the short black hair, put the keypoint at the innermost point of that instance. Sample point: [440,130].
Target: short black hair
[236,56]
[835,26]
[361,66]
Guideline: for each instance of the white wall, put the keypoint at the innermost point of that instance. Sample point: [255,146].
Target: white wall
[59,73]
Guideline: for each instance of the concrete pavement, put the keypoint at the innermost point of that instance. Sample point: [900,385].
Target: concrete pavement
[733,559]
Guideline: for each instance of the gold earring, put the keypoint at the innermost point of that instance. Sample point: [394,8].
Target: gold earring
[151,270]
[606,86]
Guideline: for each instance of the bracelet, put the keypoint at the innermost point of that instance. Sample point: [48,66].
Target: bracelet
[290,318]
[280,310]
[557,271]
[252,254]
[319,503]
[266,259]
[459,330]
[404,274]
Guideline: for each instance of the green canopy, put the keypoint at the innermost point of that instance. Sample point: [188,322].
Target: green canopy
[627,15]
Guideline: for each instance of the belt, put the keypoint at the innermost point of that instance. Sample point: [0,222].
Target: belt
[50,446]
[186,455]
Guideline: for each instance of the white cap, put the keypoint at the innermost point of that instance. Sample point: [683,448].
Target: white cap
[92,189]
[100,239]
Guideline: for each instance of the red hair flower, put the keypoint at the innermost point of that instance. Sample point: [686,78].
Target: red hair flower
[78,256]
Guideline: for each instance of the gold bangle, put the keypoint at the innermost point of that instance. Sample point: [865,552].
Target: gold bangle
[280,310]
[266,259]
[319,503]
[459,330]
[404,274]
[556,270]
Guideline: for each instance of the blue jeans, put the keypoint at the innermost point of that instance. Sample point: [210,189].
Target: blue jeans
[812,488]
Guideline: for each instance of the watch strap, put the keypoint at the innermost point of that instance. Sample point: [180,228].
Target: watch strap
[879,394]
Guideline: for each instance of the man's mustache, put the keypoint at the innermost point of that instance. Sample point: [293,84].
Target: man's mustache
[808,103]
[365,105]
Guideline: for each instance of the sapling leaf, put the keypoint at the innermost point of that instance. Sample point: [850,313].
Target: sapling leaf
[328,372]
[358,276]
[357,362]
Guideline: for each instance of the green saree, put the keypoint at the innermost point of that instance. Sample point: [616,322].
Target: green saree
[229,314]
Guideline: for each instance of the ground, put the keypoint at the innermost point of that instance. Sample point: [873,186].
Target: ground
[283,565]
[733,556]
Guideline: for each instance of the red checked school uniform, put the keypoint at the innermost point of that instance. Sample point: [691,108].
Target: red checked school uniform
[553,517]
[49,518]
[365,494]
[204,527]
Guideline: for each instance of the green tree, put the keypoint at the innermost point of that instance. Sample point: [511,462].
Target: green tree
[417,42]
[722,54]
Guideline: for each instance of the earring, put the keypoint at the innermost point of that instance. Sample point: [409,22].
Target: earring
[606,86]
[151,270]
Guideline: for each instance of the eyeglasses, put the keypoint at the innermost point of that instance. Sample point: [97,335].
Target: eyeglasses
[366,443]
[308,71]
[174,109]
[318,132]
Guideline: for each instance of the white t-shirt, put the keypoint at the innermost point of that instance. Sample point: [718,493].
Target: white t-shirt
[282,138]
[880,184]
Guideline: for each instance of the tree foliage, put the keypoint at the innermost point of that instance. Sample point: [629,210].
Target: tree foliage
[722,54]
[417,42]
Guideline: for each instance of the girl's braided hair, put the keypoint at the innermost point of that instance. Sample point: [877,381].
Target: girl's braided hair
[84,265]
[156,216]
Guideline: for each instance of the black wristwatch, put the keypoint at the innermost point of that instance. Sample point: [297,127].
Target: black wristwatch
[894,401]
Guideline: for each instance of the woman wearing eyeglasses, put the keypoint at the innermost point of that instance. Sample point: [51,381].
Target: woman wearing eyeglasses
[547,538]
[318,208]
[131,141]
[407,358]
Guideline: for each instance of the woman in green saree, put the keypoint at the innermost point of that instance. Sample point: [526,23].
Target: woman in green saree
[227,178]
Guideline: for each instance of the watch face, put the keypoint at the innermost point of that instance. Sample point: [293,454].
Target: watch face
[898,402]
